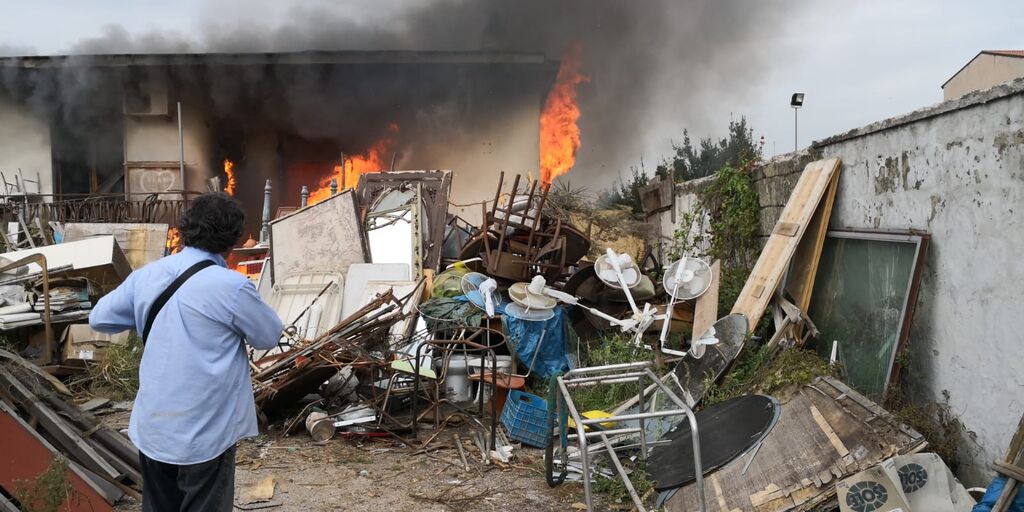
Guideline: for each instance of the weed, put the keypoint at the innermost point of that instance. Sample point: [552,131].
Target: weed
[757,372]
[609,350]
[49,490]
[117,375]
[615,489]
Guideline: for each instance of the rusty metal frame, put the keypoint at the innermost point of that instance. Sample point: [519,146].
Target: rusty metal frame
[40,260]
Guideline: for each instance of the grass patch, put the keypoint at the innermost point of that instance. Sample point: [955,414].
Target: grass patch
[614,349]
[757,372]
[935,421]
[117,375]
[615,489]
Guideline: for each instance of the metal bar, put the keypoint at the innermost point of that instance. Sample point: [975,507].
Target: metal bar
[637,416]
[625,477]
[614,431]
[598,379]
[181,150]
[607,368]
[582,441]
[698,465]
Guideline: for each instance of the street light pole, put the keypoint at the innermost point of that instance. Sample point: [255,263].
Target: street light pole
[796,102]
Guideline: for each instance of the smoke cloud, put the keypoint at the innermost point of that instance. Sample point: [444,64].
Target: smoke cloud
[656,66]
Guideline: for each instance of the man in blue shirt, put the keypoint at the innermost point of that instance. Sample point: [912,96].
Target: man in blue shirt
[195,397]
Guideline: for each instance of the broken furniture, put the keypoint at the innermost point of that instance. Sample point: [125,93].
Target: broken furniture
[416,201]
[609,438]
[517,241]
[141,243]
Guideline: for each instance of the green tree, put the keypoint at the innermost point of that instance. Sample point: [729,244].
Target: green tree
[690,161]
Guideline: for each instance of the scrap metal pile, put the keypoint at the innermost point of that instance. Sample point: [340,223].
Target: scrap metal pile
[403,320]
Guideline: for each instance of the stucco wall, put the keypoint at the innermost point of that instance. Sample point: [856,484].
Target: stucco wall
[25,145]
[984,71]
[155,138]
[956,171]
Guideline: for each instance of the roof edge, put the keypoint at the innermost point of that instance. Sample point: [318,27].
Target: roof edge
[259,58]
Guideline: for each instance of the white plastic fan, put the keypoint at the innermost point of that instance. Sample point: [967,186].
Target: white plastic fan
[530,315]
[685,279]
[482,291]
[699,345]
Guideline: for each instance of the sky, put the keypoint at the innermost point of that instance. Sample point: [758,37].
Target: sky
[857,62]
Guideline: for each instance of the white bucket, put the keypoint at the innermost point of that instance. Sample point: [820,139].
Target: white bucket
[457,386]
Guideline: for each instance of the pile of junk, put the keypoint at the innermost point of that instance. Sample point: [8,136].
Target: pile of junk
[405,321]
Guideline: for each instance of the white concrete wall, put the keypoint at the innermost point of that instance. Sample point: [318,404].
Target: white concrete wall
[959,177]
[25,144]
[955,171]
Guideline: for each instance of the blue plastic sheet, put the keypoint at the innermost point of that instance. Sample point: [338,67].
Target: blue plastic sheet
[524,338]
[995,489]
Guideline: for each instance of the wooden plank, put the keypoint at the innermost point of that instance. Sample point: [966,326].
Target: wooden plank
[800,278]
[64,434]
[779,249]
[799,463]
[706,309]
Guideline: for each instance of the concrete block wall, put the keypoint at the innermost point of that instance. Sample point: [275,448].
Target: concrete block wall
[956,171]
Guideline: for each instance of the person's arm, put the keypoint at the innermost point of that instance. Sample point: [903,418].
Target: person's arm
[254,320]
[115,312]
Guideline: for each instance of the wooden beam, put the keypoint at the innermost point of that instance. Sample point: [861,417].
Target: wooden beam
[706,309]
[782,244]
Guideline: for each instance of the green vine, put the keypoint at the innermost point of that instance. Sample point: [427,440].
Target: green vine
[723,225]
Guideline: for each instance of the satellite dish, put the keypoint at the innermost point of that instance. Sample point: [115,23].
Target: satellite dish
[482,291]
[687,279]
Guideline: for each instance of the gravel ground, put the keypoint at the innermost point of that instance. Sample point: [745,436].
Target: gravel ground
[365,475]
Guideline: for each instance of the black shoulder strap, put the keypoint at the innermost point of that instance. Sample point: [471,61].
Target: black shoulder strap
[166,295]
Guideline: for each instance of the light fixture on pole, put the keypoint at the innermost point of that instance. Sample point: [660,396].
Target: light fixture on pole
[796,102]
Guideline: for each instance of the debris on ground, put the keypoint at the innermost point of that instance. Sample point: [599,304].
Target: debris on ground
[432,364]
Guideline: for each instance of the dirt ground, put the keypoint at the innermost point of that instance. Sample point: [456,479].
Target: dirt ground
[378,475]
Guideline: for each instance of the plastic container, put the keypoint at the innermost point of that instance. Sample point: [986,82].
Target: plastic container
[457,386]
[525,416]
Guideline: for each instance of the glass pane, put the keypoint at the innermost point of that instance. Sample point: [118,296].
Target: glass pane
[391,243]
[859,300]
[393,199]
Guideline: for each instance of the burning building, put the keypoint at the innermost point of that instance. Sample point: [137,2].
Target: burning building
[133,125]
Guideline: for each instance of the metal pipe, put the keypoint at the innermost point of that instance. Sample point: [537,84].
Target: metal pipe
[600,378]
[265,229]
[625,477]
[181,150]
[304,194]
[698,465]
[607,368]
[582,436]
[334,186]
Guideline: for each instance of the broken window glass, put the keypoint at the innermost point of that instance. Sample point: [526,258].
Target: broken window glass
[860,300]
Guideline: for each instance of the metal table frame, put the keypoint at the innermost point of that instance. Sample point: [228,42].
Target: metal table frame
[639,372]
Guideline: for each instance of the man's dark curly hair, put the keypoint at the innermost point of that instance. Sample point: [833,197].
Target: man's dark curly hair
[213,223]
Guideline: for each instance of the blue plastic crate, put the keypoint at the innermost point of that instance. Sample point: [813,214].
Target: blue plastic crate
[526,418]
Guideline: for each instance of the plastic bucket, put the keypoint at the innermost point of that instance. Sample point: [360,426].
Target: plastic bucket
[457,386]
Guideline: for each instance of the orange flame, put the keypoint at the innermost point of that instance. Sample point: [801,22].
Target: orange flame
[372,160]
[229,170]
[173,244]
[559,133]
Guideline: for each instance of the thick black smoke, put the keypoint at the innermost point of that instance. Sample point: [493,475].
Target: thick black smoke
[656,66]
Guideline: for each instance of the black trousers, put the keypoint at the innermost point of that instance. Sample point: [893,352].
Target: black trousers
[208,486]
